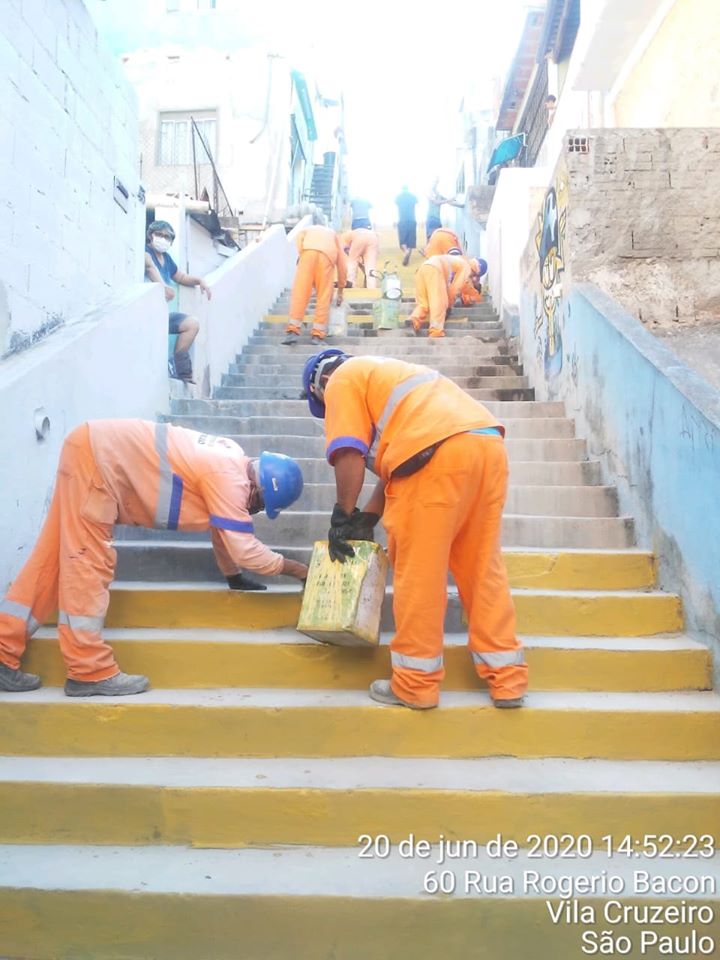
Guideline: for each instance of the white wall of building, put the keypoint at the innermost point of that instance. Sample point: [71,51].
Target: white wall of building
[109,363]
[68,126]
[518,194]
[250,93]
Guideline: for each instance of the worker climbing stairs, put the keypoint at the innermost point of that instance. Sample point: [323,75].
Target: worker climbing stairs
[255,803]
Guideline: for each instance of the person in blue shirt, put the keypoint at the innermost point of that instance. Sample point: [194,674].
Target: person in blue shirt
[407,224]
[160,267]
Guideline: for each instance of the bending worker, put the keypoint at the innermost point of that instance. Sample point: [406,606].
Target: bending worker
[321,254]
[361,244]
[443,474]
[437,283]
[146,475]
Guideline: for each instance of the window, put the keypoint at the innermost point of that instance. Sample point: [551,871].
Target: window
[175,146]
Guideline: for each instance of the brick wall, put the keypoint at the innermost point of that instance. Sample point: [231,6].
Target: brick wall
[68,126]
[643,219]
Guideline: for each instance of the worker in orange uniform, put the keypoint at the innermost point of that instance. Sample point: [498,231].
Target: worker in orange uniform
[361,244]
[320,256]
[437,283]
[442,240]
[147,475]
[443,474]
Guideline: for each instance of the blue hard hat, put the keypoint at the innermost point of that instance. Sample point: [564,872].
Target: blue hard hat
[280,480]
[312,370]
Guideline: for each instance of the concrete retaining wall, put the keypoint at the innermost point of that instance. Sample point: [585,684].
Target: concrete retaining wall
[655,426]
[109,363]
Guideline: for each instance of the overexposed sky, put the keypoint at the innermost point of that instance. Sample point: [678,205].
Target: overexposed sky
[403,67]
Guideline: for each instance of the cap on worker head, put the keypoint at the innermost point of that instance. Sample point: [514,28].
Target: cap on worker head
[316,365]
[280,480]
[157,225]
[478,266]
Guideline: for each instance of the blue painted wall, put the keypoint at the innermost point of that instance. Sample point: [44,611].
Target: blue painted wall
[654,424]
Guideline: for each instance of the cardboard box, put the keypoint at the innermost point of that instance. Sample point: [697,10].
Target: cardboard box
[342,602]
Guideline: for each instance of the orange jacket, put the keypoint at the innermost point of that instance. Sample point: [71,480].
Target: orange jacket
[371,406]
[328,242]
[442,241]
[171,478]
[456,271]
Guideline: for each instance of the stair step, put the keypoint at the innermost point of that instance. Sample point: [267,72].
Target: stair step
[157,559]
[305,902]
[202,658]
[256,722]
[237,802]
[286,409]
[221,423]
[291,392]
[543,612]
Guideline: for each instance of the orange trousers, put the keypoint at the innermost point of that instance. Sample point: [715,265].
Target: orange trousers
[431,297]
[70,570]
[363,248]
[314,270]
[448,516]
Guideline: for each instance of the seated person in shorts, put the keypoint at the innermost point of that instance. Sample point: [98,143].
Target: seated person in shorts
[160,236]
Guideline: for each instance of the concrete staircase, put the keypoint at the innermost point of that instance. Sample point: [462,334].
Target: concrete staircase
[251,805]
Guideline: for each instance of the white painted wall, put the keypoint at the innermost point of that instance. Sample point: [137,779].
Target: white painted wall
[111,362]
[243,289]
[251,94]
[517,197]
[68,125]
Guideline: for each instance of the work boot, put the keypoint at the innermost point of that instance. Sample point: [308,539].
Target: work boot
[240,582]
[406,258]
[381,691]
[318,341]
[121,685]
[15,681]
[509,704]
[290,339]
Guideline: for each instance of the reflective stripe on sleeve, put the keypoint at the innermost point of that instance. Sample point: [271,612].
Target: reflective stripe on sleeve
[227,523]
[79,622]
[504,658]
[170,487]
[423,664]
[397,394]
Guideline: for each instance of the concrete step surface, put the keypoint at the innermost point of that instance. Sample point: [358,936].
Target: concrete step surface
[291,391]
[331,802]
[539,611]
[503,410]
[307,902]
[256,722]
[307,425]
[211,658]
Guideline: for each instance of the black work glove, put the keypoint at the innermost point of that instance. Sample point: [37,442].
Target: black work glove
[357,525]
[238,581]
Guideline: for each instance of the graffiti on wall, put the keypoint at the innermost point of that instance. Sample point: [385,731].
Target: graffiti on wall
[550,243]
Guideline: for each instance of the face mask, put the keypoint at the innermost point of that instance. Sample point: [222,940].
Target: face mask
[161,244]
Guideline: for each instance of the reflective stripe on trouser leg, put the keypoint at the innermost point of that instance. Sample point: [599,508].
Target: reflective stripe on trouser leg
[420,519]
[32,598]
[479,570]
[87,566]
[324,275]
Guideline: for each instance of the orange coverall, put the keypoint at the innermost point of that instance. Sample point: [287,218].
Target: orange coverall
[447,515]
[364,245]
[321,254]
[437,284]
[442,241]
[134,472]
